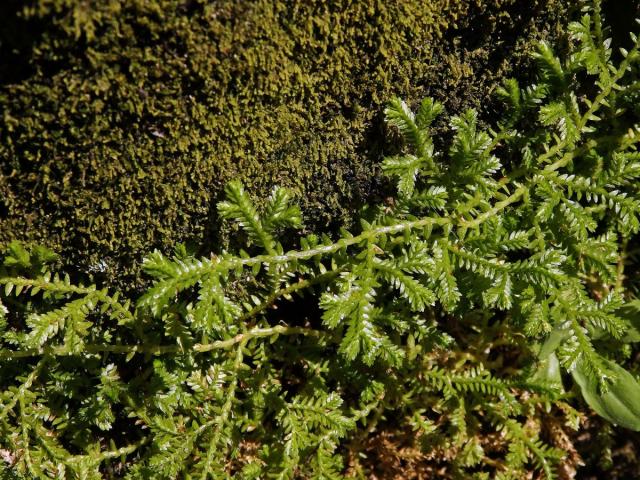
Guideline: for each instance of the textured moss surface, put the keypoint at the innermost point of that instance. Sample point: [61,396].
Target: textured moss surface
[123,119]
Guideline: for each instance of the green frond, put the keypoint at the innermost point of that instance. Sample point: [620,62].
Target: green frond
[480,264]
[556,114]
[416,259]
[535,314]
[602,315]
[434,198]
[477,381]
[17,255]
[400,116]
[500,294]
[279,211]
[239,207]
[417,293]
[69,319]
[514,241]
[623,169]
[428,111]
[541,270]
[550,67]
[214,311]
[520,100]
[472,454]
[172,448]
[578,352]
[173,277]
[470,152]
[159,267]
[356,311]
[509,92]
[594,52]
[312,425]
[525,447]
[406,168]
[624,207]
[576,218]
[446,285]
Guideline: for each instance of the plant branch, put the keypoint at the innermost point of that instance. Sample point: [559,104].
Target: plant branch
[226,408]
[59,351]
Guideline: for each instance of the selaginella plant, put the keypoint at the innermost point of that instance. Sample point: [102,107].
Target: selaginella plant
[475,310]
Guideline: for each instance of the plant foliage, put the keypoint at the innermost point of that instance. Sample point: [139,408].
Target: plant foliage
[455,309]
[123,120]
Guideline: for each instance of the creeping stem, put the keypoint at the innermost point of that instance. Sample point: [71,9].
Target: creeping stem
[163,349]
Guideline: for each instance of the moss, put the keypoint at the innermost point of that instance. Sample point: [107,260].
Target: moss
[136,113]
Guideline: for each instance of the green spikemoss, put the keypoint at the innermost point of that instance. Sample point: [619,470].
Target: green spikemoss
[135,114]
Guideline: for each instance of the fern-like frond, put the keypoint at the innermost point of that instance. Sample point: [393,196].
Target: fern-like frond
[70,319]
[239,207]
[400,116]
[174,277]
[280,212]
[417,293]
[406,168]
[214,311]
[550,67]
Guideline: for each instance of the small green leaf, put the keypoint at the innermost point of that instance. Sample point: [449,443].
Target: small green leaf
[17,256]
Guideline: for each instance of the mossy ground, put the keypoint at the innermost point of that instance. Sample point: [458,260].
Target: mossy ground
[123,120]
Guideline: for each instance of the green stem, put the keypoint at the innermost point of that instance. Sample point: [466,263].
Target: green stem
[514,197]
[621,264]
[226,408]
[23,388]
[108,454]
[53,286]
[161,349]
[25,438]
[367,235]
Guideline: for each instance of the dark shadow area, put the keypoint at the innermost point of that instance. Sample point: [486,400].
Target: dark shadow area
[621,16]
[17,37]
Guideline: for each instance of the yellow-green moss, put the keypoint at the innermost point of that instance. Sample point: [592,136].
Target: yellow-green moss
[137,112]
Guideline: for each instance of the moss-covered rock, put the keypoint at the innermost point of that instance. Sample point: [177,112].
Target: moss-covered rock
[129,116]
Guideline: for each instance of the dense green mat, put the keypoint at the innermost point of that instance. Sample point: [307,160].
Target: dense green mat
[477,317]
[122,120]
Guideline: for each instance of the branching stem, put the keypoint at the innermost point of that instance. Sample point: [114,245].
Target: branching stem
[162,349]
[224,414]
